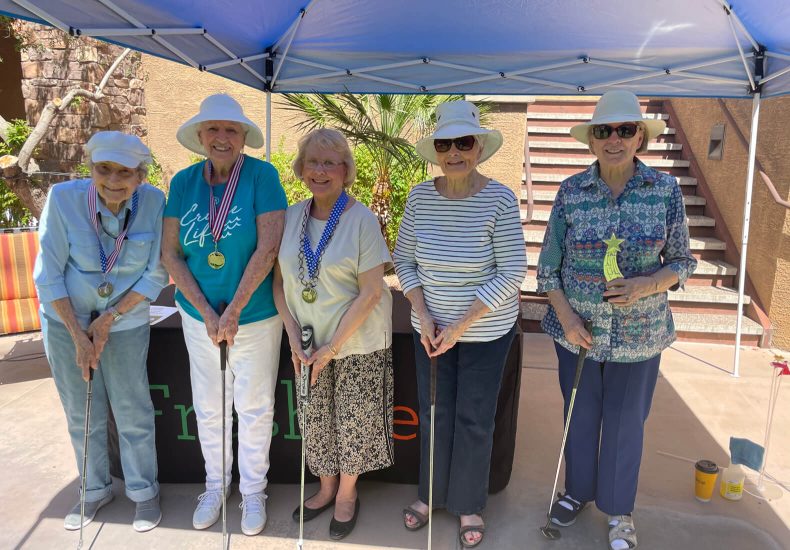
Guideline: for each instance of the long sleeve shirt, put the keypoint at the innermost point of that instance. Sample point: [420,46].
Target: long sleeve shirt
[650,216]
[461,249]
[68,263]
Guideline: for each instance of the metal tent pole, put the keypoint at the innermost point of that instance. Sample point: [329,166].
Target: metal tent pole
[268,126]
[747,207]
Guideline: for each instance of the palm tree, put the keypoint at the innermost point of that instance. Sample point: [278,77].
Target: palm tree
[385,124]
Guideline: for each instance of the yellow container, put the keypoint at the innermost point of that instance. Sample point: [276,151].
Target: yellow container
[732,480]
[705,472]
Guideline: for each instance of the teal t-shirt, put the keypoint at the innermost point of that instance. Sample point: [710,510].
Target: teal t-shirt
[259,191]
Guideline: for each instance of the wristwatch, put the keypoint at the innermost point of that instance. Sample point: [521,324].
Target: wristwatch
[116,315]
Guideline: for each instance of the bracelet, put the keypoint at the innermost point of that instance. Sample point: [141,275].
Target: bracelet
[116,315]
[332,348]
[655,283]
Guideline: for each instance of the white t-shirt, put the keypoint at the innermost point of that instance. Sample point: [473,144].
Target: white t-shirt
[356,246]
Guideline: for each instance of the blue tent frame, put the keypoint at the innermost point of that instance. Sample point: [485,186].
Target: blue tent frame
[662,48]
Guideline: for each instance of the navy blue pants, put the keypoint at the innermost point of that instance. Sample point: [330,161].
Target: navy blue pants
[604,448]
[467,389]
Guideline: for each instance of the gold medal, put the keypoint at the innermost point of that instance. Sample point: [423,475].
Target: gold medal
[216,260]
[611,270]
[309,295]
[105,289]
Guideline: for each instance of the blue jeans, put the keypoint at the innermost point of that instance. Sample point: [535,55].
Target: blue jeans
[467,389]
[121,381]
[604,448]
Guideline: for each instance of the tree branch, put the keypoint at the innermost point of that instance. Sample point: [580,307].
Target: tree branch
[774,193]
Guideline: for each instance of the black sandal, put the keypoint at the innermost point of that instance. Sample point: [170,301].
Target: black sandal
[422,519]
[562,515]
[471,529]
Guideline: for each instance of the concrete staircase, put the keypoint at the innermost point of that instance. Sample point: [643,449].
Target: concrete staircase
[706,309]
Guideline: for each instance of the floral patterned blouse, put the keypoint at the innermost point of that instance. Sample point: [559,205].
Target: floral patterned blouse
[650,216]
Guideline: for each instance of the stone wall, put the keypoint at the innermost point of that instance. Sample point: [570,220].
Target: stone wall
[52,64]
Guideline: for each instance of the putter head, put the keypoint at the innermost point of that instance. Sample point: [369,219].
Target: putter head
[549,531]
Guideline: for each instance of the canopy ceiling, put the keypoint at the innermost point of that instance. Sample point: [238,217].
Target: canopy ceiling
[536,47]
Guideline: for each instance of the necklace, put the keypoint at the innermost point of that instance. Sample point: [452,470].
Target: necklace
[313,259]
[217,217]
[105,288]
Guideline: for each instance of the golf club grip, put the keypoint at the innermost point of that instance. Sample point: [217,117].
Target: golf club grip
[306,370]
[94,316]
[582,355]
[223,345]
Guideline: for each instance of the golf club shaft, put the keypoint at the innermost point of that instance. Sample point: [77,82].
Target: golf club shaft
[304,396]
[223,362]
[579,367]
[88,400]
[434,369]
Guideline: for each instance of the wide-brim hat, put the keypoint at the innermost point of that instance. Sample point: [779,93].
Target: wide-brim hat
[457,119]
[618,106]
[124,149]
[218,107]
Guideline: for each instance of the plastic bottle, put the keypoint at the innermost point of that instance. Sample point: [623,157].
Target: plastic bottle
[732,479]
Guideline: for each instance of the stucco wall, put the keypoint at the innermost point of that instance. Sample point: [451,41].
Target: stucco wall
[768,254]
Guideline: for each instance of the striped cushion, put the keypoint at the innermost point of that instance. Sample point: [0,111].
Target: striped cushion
[18,300]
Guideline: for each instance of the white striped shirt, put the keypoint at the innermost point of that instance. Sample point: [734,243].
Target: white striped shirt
[461,249]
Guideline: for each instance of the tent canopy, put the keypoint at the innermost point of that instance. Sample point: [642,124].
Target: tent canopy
[704,48]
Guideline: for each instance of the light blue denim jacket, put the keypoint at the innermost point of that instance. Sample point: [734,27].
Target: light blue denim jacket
[68,262]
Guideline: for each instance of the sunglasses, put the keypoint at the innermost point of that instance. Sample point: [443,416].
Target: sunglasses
[464,143]
[625,131]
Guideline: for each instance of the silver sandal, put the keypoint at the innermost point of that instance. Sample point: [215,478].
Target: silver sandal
[623,530]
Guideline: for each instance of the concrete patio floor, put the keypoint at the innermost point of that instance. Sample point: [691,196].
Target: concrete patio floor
[697,407]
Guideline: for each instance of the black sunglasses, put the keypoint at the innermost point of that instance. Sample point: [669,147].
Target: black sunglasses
[625,131]
[464,143]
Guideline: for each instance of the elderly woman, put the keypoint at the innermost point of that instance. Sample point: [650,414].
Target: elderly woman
[617,204]
[100,241]
[330,276]
[222,228]
[460,259]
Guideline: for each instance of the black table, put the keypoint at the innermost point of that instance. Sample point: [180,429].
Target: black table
[178,448]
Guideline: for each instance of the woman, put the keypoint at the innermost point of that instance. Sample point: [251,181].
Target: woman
[461,260]
[330,276]
[222,228]
[618,203]
[99,241]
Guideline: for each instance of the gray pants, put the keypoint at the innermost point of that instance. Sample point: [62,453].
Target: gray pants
[349,417]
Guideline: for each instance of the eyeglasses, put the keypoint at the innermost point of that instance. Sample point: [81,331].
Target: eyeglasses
[325,164]
[625,131]
[464,143]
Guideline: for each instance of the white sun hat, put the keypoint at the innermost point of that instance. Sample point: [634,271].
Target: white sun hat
[218,107]
[618,106]
[124,149]
[457,119]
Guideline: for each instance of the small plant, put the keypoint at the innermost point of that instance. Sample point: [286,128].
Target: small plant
[12,212]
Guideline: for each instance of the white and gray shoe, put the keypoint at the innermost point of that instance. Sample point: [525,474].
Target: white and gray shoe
[253,513]
[147,515]
[72,521]
[208,509]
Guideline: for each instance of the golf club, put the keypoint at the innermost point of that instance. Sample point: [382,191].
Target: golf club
[88,400]
[304,396]
[223,362]
[434,369]
[550,532]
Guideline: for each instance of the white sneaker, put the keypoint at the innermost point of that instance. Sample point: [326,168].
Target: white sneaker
[253,514]
[208,509]
[72,521]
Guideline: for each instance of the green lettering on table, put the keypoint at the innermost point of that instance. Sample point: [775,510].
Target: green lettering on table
[292,418]
[185,435]
[165,389]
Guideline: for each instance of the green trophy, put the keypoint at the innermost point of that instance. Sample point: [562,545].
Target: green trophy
[610,269]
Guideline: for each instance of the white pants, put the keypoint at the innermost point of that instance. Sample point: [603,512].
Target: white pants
[250,380]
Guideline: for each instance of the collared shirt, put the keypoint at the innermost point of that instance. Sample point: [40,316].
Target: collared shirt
[650,216]
[68,263]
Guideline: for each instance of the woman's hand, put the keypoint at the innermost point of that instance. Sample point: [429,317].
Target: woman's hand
[86,353]
[446,338]
[99,333]
[228,325]
[575,333]
[318,360]
[211,320]
[624,292]
[298,357]
[428,331]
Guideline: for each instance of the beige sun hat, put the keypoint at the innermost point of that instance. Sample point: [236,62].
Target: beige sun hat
[618,106]
[218,107]
[457,119]
[112,146]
